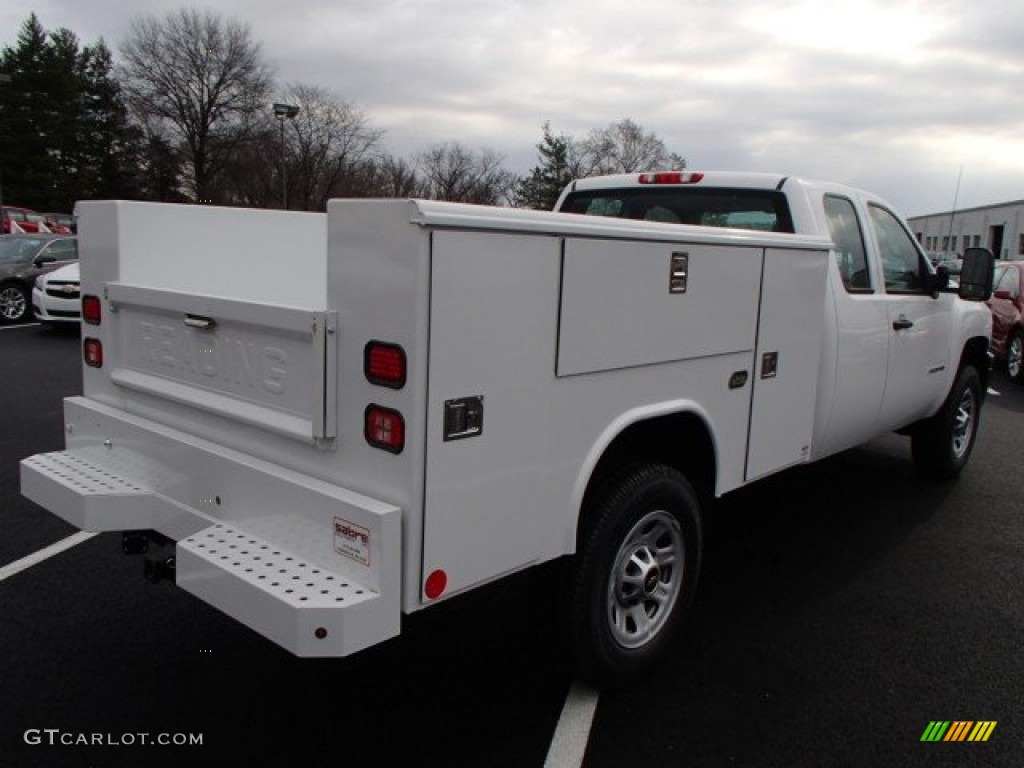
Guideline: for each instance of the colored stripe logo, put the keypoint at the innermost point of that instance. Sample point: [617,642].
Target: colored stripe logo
[958,730]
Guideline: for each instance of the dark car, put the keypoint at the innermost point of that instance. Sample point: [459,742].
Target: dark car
[1008,317]
[22,259]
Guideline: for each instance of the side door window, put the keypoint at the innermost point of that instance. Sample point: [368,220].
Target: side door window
[62,250]
[903,265]
[848,239]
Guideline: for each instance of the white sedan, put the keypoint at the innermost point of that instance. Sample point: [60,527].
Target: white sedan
[55,298]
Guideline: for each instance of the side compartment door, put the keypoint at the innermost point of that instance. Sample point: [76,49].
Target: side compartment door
[789,344]
[493,336]
[919,325]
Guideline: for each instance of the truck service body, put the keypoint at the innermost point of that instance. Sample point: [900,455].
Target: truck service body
[342,418]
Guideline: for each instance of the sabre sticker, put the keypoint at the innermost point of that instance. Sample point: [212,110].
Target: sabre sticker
[352,541]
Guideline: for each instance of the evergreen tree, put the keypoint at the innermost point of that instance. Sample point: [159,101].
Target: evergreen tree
[63,129]
[541,188]
[24,163]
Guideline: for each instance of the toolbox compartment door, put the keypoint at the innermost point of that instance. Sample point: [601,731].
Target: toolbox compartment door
[791,328]
[627,304]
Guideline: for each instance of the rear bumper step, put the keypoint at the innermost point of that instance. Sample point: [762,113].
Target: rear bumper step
[304,608]
[310,565]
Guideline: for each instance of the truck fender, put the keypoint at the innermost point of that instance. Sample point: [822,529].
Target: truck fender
[614,431]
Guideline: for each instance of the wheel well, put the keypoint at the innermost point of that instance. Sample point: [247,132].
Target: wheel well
[976,353]
[679,440]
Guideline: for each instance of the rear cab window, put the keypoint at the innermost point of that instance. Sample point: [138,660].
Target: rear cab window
[756,209]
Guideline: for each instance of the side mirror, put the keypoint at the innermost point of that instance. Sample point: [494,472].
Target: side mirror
[977,274]
[45,260]
[1003,294]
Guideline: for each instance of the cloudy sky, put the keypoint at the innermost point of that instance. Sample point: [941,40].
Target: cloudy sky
[894,96]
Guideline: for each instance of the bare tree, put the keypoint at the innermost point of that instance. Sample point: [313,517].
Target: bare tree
[452,172]
[387,176]
[328,141]
[203,81]
[625,147]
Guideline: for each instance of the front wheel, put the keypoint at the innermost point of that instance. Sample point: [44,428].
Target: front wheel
[942,444]
[636,575]
[1015,357]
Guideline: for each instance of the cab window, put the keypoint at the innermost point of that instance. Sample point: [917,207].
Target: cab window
[903,265]
[758,209]
[848,242]
[62,250]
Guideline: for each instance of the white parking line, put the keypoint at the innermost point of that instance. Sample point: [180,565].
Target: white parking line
[12,327]
[569,743]
[37,557]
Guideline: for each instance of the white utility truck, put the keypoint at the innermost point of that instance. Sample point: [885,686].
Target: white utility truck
[340,419]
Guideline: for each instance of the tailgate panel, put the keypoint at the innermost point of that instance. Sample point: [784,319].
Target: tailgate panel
[266,366]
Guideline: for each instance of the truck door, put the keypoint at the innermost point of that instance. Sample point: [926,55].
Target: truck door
[851,409]
[919,354]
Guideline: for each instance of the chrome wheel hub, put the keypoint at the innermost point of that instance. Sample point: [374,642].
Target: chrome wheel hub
[1014,356]
[12,303]
[647,579]
[963,424]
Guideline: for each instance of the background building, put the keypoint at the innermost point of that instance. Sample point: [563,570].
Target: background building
[1000,228]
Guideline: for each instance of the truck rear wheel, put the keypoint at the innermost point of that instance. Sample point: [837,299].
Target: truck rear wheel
[637,566]
[942,444]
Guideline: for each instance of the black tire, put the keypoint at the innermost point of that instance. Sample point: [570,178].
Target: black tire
[942,444]
[1015,357]
[15,303]
[636,573]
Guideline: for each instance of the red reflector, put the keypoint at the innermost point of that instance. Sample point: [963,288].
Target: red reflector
[92,351]
[436,584]
[670,177]
[91,310]
[384,429]
[384,364]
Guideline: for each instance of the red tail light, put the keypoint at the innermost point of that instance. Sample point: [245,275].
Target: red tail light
[384,364]
[384,428]
[670,177]
[91,309]
[92,351]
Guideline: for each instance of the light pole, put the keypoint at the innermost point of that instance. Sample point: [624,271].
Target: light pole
[283,112]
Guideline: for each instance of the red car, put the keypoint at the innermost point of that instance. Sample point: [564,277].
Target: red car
[60,223]
[1008,317]
[22,217]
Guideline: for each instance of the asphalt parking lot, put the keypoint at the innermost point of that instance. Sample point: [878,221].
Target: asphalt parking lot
[843,607]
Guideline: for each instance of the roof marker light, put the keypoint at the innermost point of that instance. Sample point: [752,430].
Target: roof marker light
[670,177]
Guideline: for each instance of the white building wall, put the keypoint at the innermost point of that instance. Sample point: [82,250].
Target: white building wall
[997,227]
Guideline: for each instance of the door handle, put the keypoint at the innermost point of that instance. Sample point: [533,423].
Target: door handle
[901,323]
